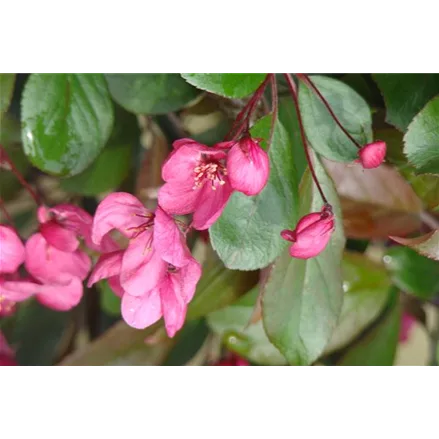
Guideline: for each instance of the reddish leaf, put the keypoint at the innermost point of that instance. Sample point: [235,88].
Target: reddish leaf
[375,202]
[427,245]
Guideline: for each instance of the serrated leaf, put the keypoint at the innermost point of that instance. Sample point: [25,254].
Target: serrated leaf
[413,272]
[303,298]
[378,346]
[405,94]
[232,85]
[350,108]
[422,139]
[7,81]
[366,290]
[247,235]
[426,245]
[250,341]
[150,93]
[66,121]
[112,166]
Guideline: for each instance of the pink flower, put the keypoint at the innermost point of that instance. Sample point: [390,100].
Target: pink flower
[247,165]
[407,323]
[168,299]
[7,355]
[11,250]
[372,154]
[155,242]
[196,182]
[311,234]
[63,225]
[232,360]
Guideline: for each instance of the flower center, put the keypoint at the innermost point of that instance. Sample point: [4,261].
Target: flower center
[208,169]
[147,225]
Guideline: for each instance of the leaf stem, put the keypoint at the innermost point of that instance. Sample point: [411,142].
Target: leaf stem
[274,108]
[306,79]
[293,90]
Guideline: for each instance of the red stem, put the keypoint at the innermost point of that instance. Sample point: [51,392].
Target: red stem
[274,108]
[307,80]
[4,157]
[293,90]
[5,212]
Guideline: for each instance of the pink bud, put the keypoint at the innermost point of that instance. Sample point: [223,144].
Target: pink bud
[312,234]
[372,154]
[248,166]
[407,323]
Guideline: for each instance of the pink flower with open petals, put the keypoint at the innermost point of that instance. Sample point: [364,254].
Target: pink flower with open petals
[155,242]
[247,165]
[196,182]
[63,225]
[311,235]
[168,299]
[372,154]
[7,355]
[11,250]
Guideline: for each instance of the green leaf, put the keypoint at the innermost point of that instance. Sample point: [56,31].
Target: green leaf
[110,303]
[378,346]
[323,133]
[422,139]
[112,166]
[7,81]
[187,343]
[232,85]
[38,333]
[303,298]
[218,287]
[412,272]
[427,245]
[405,94]
[249,341]
[247,235]
[66,121]
[366,286]
[150,93]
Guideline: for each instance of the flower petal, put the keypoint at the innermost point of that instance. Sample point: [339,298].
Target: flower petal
[210,204]
[185,280]
[169,241]
[142,266]
[114,283]
[248,167]
[17,291]
[179,166]
[12,251]
[141,312]
[173,306]
[179,198]
[119,211]
[61,297]
[108,265]
[59,237]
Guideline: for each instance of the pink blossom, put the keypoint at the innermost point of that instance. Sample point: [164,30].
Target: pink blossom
[11,250]
[7,355]
[407,323]
[57,275]
[196,182]
[168,299]
[311,235]
[63,225]
[247,165]
[232,360]
[372,154]
[154,242]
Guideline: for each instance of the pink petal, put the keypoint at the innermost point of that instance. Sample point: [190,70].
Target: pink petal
[119,211]
[61,297]
[225,145]
[372,154]
[46,263]
[114,283]
[289,235]
[43,214]
[12,251]
[186,141]
[185,280]
[211,204]
[313,239]
[59,237]
[142,266]
[307,220]
[141,312]
[248,167]
[108,265]
[169,241]
[17,291]
[179,198]
[406,326]
[173,306]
